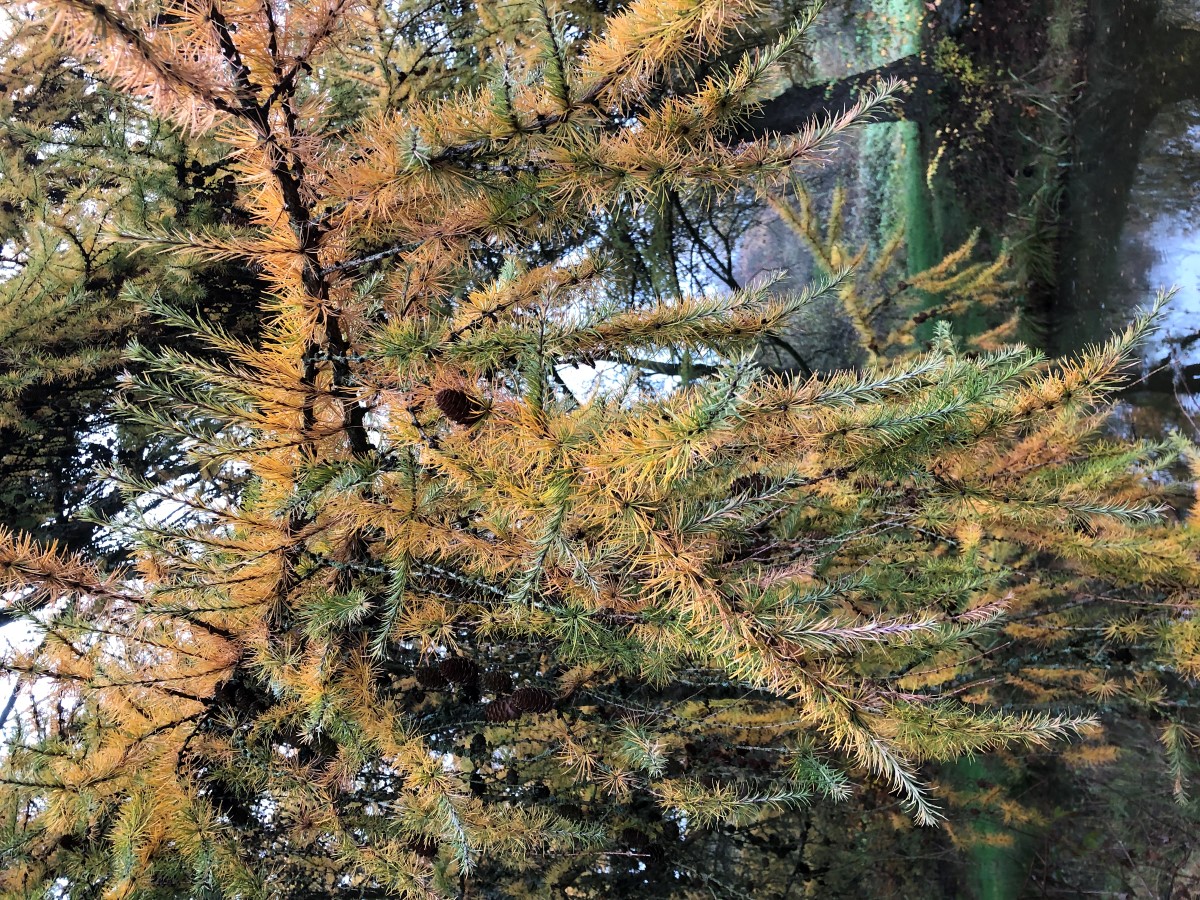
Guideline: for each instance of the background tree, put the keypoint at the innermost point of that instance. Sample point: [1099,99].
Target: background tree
[1077,645]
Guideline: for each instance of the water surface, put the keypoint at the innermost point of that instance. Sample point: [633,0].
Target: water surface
[1133,220]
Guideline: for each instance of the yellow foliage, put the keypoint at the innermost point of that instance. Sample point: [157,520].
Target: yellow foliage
[453,597]
[1090,756]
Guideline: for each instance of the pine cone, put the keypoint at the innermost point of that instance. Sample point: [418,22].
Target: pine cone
[459,406]
[501,709]
[431,677]
[497,682]
[533,699]
[459,669]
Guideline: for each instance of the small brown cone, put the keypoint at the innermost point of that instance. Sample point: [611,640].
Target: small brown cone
[459,669]
[533,699]
[459,406]
[501,710]
[755,483]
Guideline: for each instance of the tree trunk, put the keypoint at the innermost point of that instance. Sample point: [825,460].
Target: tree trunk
[792,110]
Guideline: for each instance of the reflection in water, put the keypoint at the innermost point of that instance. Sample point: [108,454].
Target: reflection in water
[1134,221]
[1160,244]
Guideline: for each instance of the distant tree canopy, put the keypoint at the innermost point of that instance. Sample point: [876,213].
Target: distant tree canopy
[434,613]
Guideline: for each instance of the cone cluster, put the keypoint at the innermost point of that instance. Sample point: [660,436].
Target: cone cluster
[523,700]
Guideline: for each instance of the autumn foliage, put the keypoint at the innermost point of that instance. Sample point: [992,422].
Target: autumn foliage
[471,618]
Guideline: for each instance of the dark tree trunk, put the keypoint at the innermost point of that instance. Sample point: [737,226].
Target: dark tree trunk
[792,110]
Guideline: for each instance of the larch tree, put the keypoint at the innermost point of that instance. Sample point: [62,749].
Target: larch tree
[83,164]
[79,164]
[441,618]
